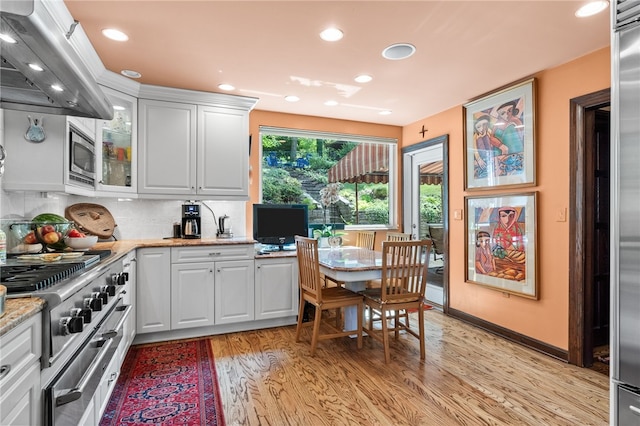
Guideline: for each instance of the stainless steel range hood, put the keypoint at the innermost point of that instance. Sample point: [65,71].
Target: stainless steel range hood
[40,41]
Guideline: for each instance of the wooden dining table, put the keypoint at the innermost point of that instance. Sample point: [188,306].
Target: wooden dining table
[352,265]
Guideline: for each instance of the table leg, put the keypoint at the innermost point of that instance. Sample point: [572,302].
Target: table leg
[350,312]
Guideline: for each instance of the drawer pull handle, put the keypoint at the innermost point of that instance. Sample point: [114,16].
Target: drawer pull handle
[634,409]
[215,253]
[4,370]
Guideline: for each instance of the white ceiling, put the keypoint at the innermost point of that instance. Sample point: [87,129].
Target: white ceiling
[270,49]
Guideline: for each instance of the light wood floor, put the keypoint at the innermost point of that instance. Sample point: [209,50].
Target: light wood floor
[470,377]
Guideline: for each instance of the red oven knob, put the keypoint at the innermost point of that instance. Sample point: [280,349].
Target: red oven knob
[69,325]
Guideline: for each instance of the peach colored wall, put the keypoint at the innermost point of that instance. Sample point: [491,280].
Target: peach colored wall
[545,319]
[259,118]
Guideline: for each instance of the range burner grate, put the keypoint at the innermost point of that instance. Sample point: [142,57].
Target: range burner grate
[23,278]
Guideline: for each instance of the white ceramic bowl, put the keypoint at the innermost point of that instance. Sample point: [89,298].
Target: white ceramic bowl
[84,243]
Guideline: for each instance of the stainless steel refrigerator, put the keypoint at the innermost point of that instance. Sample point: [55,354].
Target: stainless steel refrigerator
[625,220]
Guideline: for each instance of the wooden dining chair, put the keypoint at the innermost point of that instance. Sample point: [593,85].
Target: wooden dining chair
[391,236]
[364,239]
[322,298]
[398,236]
[404,282]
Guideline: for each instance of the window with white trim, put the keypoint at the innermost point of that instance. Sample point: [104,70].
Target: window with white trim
[345,180]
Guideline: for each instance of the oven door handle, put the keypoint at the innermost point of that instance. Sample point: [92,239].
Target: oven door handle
[114,332]
[70,395]
[73,394]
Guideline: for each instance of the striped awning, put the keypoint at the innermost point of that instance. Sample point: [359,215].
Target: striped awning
[365,163]
[369,163]
[431,173]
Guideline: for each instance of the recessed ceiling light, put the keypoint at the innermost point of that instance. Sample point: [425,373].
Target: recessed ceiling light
[7,38]
[592,8]
[399,51]
[131,73]
[331,103]
[57,88]
[225,86]
[291,98]
[385,112]
[36,67]
[363,78]
[331,34]
[114,34]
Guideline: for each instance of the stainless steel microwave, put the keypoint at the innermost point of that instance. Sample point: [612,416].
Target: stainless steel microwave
[82,158]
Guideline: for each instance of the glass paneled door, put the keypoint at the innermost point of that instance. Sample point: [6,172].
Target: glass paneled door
[425,207]
[116,145]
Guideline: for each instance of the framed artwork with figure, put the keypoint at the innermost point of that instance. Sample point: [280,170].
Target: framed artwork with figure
[501,243]
[499,138]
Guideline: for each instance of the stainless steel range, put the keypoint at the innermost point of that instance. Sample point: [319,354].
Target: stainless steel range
[82,324]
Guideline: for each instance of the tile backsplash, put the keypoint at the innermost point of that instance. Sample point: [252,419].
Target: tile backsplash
[135,218]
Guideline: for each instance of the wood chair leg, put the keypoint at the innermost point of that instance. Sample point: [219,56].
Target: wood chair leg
[396,324]
[421,331]
[300,315]
[316,330]
[385,336]
[360,315]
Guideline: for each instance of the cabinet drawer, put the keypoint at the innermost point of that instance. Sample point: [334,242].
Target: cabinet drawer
[20,347]
[212,253]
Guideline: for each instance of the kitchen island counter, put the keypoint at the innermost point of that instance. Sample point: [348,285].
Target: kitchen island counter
[18,311]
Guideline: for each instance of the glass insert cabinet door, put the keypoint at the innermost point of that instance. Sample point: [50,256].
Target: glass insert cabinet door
[116,145]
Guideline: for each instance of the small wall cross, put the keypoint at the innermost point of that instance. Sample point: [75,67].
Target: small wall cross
[423,131]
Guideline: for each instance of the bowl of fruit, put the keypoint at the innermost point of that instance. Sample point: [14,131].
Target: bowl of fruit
[23,238]
[50,230]
[79,240]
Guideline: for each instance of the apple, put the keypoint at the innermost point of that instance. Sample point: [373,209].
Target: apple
[30,238]
[74,233]
[51,238]
[47,229]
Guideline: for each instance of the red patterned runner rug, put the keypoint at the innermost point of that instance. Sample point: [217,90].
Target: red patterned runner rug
[167,383]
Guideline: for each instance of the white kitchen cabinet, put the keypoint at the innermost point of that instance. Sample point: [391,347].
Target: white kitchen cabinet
[223,153]
[193,144]
[167,143]
[276,288]
[39,166]
[153,294]
[192,295]
[20,393]
[116,147]
[234,291]
[227,293]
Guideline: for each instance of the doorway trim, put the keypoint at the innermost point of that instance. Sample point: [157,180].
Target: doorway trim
[577,218]
[410,150]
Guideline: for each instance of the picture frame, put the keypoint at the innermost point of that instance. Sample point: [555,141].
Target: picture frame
[499,138]
[501,242]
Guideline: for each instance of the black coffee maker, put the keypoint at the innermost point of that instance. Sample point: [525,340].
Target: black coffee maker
[191,221]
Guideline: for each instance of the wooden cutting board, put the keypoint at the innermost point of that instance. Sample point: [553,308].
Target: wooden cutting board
[92,219]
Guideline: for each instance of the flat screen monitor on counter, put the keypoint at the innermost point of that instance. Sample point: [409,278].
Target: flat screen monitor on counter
[276,225]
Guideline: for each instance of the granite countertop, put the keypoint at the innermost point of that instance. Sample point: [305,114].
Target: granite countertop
[122,247]
[20,309]
[17,311]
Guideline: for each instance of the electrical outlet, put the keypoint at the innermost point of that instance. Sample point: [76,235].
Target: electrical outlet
[457,214]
